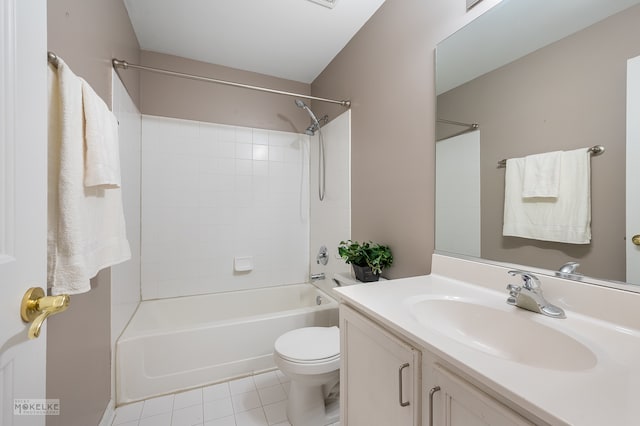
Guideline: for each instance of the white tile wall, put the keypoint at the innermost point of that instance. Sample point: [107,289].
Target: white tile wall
[211,192]
[125,277]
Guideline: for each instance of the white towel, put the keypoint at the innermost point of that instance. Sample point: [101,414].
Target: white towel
[102,161]
[86,225]
[565,219]
[541,175]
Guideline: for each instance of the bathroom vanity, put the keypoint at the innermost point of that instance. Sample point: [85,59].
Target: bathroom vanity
[446,349]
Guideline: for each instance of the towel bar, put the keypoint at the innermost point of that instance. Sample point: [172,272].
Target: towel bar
[594,150]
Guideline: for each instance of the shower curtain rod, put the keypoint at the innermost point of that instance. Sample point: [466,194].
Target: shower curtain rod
[472,126]
[117,63]
[469,127]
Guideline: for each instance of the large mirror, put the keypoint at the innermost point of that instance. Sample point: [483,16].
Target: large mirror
[535,76]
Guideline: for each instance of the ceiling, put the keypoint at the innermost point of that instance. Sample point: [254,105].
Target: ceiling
[511,30]
[291,39]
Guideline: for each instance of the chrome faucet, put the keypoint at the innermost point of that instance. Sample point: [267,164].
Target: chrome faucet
[569,271]
[529,296]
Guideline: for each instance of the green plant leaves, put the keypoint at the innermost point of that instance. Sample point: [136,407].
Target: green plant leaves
[376,256]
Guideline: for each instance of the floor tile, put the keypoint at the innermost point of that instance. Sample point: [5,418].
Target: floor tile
[242,385]
[188,416]
[159,420]
[245,401]
[159,405]
[128,413]
[213,392]
[272,394]
[225,421]
[131,423]
[266,379]
[218,409]
[253,417]
[276,413]
[187,399]
[259,400]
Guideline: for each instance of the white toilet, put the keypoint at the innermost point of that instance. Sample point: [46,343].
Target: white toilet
[310,357]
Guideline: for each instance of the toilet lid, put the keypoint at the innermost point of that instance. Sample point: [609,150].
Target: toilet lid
[309,343]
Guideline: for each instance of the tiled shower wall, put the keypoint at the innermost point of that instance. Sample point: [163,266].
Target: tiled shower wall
[125,277]
[211,193]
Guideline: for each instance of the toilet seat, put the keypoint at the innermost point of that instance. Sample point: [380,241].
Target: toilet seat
[309,345]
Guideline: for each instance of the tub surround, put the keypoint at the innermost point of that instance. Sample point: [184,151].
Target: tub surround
[589,382]
[211,193]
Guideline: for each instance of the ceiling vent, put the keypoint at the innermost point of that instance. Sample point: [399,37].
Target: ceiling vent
[325,3]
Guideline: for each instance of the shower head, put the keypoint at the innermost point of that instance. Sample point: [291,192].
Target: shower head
[315,124]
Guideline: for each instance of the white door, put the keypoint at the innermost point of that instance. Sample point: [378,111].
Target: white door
[633,171]
[23,203]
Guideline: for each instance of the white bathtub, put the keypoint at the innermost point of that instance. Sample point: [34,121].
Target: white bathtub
[186,342]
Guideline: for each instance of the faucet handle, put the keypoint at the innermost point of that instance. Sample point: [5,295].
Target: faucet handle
[514,289]
[530,281]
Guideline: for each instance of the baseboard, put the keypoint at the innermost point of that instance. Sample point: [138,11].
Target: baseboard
[109,414]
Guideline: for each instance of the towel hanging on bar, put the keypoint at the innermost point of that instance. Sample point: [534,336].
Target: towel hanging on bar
[594,150]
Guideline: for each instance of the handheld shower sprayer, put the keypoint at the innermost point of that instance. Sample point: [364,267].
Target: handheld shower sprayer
[311,130]
[315,124]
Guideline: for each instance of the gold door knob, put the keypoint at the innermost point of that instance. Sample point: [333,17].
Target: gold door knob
[636,239]
[36,307]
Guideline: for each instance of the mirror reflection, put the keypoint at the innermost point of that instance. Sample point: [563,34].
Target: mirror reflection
[536,77]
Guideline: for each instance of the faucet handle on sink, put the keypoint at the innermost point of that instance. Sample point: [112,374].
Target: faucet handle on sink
[530,281]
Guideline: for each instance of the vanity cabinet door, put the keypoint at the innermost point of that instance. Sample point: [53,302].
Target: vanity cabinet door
[459,403]
[380,375]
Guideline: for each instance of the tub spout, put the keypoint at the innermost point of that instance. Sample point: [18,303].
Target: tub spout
[316,277]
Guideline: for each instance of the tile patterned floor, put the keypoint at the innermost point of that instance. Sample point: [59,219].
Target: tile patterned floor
[258,400]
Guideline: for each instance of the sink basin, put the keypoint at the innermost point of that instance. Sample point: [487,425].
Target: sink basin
[506,334]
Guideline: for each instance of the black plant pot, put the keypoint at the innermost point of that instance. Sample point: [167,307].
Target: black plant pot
[365,274]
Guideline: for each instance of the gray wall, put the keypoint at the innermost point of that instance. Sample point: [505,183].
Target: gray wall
[194,100]
[387,70]
[568,95]
[86,34]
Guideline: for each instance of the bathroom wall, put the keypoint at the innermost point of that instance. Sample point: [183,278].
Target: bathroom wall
[387,70]
[125,277]
[86,34]
[587,88]
[331,218]
[213,192]
[194,100]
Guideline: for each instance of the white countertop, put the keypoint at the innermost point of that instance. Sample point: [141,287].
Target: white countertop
[603,392]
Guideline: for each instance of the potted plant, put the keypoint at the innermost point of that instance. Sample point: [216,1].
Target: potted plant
[368,259]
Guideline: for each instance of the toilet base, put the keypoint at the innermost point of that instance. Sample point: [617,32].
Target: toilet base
[332,413]
[306,406]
